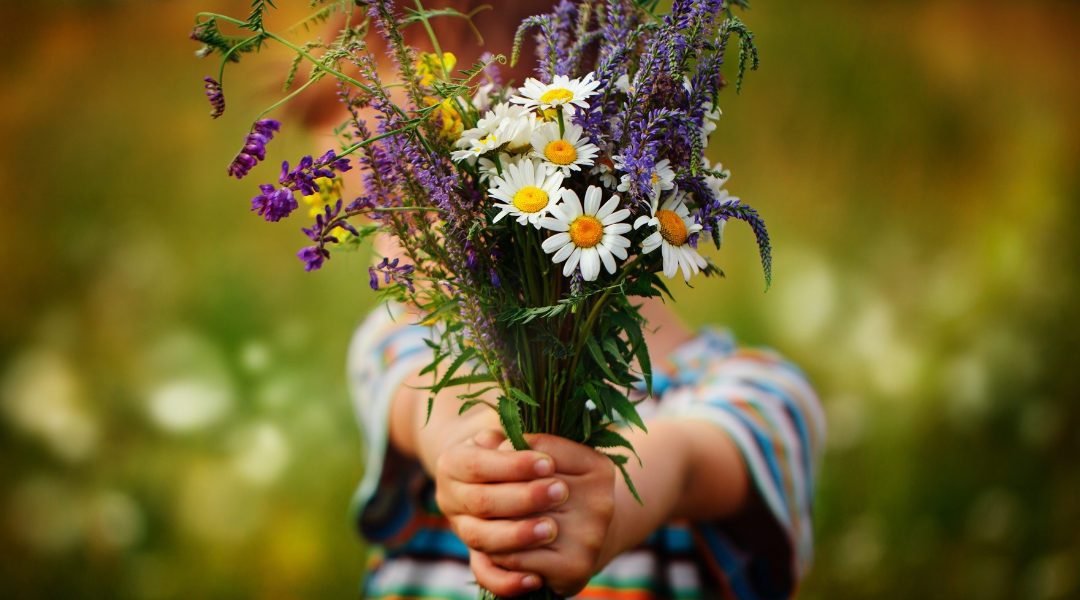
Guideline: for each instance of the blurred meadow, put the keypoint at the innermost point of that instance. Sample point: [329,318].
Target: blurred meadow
[173,415]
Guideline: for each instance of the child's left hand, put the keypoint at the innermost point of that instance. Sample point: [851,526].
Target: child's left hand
[582,545]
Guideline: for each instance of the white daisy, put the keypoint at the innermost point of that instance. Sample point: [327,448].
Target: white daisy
[674,226]
[662,177]
[604,169]
[527,190]
[488,167]
[503,124]
[475,148]
[587,236]
[567,152]
[715,183]
[564,92]
[708,125]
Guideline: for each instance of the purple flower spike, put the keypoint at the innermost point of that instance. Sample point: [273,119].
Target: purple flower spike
[392,273]
[254,147]
[215,96]
[274,204]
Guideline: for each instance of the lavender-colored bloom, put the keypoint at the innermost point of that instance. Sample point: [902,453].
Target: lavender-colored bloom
[722,209]
[392,272]
[215,96]
[254,149]
[274,204]
[313,257]
[495,280]
[302,178]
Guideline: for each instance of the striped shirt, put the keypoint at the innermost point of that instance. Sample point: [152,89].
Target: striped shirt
[763,403]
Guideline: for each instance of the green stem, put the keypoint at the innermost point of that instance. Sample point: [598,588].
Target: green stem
[422,15]
[292,95]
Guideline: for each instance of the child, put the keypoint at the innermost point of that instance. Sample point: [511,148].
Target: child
[727,479]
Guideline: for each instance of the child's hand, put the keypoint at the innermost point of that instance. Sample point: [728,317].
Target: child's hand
[583,545]
[496,502]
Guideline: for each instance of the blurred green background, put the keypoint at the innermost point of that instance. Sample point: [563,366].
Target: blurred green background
[173,415]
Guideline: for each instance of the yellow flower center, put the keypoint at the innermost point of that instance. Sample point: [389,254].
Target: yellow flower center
[672,227]
[561,152]
[557,96]
[655,178]
[530,199]
[550,114]
[586,231]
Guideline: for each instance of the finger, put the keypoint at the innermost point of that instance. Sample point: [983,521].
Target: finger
[500,581]
[566,574]
[475,464]
[504,500]
[571,458]
[489,438]
[497,535]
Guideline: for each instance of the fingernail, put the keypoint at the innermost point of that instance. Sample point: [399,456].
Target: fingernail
[530,582]
[543,530]
[544,467]
[558,491]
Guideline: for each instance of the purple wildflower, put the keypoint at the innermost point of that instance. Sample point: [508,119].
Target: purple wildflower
[215,96]
[730,207]
[391,272]
[254,149]
[313,257]
[302,178]
[274,204]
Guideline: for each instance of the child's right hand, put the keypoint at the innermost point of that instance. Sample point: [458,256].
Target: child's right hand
[491,498]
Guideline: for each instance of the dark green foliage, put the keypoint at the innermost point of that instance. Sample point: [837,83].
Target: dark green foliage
[748,52]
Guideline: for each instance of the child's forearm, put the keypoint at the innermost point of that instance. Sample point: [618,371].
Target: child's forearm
[691,470]
[415,435]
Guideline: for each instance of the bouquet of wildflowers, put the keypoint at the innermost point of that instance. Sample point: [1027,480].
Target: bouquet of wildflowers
[528,216]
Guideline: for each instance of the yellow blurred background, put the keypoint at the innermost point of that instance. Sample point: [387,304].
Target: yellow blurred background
[173,415]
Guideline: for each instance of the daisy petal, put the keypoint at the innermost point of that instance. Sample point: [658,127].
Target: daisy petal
[590,264]
[572,262]
[563,253]
[605,256]
[555,242]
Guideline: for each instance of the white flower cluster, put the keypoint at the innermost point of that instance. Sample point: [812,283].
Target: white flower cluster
[528,148]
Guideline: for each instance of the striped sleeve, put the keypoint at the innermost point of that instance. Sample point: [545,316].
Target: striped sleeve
[769,410]
[384,352]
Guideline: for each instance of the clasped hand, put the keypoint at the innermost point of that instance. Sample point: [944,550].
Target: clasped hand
[531,517]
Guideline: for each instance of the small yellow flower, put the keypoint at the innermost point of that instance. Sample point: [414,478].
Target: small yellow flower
[430,68]
[452,125]
[447,115]
[330,191]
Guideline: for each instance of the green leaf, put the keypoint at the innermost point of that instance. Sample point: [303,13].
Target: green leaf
[594,395]
[470,379]
[478,393]
[620,462]
[465,355]
[625,408]
[510,419]
[598,357]
[609,438]
[523,397]
[465,406]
